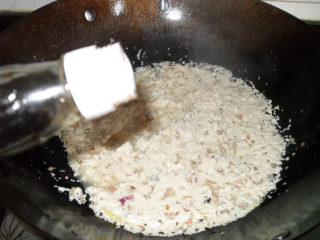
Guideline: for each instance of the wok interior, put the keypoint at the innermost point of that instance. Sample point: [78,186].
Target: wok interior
[277,53]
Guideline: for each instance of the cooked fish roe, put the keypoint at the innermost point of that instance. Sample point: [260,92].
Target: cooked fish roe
[198,149]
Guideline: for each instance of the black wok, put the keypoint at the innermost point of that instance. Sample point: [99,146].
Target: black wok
[258,42]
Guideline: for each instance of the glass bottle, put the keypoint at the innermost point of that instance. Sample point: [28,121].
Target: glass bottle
[37,100]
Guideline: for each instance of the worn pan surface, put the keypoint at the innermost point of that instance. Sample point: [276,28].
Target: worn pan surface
[277,52]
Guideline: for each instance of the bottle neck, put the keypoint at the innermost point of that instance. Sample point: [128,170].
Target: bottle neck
[68,96]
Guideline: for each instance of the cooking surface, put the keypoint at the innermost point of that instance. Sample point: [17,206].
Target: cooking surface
[289,201]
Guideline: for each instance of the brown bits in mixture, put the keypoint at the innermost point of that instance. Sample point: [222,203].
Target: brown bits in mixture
[194,164]
[221,171]
[149,117]
[234,149]
[169,193]
[178,135]
[138,170]
[193,178]
[87,130]
[206,132]
[147,196]
[219,132]
[239,116]
[77,125]
[167,207]
[169,215]
[213,188]
[248,137]
[222,149]
[178,158]
[78,149]
[231,164]
[209,150]
[132,187]
[79,161]
[242,205]
[214,192]
[94,152]
[207,200]
[224,211]
[233,199]
[199,159]
[208,181]
[112,189]
[189,179]
[186,197]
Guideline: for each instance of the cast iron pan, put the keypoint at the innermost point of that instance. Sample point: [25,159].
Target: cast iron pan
[275,51]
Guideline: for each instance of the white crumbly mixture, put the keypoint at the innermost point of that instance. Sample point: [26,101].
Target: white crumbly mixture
[75,193]
[199,149]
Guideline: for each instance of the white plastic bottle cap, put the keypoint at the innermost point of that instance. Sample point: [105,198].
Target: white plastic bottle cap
[99,79]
